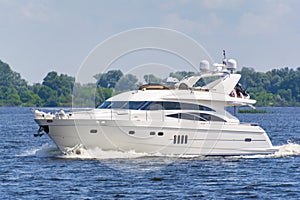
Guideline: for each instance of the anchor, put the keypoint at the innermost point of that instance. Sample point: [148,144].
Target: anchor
[39,132]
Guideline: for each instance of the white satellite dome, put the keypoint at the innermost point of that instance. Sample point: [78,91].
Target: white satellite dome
[204,65]
[231,65]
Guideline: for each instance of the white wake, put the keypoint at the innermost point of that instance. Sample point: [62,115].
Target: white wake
[47,150]
[286,150]
[290,149]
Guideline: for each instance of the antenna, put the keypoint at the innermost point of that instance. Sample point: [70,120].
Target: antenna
[224,59]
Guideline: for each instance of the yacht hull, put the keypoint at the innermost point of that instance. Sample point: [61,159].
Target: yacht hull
[165,138]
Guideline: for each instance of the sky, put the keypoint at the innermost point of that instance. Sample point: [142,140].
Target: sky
[38,36]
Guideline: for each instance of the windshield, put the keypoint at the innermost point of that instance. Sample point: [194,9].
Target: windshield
[203,81]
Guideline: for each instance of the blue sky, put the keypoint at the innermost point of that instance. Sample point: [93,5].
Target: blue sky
[43,35]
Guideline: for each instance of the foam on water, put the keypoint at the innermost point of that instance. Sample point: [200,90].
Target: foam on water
[47,150]
[29,152]
[98,153]
[289,149]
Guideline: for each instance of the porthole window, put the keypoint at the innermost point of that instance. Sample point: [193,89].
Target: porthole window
[93,131]
[152,133]
[131,132]
[160,133]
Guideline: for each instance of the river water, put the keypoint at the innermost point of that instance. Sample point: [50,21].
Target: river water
[33,168]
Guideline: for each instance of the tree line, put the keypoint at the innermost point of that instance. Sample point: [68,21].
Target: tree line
[55,90]
[278,87]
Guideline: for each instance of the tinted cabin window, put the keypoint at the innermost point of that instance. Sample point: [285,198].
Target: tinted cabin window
[155,106]
[169,105]
[186,116]
[206,80]
[187,106]
[118,104]
[135,105]
[112,104]
[196,117]
[105,104]
[152,105]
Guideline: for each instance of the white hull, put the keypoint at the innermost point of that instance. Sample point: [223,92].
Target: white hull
[193,138]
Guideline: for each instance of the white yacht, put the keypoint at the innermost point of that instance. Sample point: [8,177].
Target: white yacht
[188,118]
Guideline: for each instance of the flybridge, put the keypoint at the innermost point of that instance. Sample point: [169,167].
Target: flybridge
[220,82]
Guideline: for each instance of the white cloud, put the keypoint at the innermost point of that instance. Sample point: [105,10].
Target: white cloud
[177,22]
[204,25]
[220,4]
[251,24]
[270,19]
[36,10]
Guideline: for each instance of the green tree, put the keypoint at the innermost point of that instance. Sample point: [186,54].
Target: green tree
[127,82]
[11,85]
[109,79]
[150,78]
[29,98]
[102,94]
[13,100]
[84,95]
[61,86]
[48,96]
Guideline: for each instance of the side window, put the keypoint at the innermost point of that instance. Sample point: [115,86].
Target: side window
[155,106]
[206,117]
[171,105]
[105,104]
[118,104]
[196,117]
[152,105]
[135,105]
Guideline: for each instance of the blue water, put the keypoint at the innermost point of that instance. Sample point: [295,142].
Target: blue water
[32,168]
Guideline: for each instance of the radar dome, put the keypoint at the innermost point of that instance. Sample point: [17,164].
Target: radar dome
[231,64]
[204,65]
